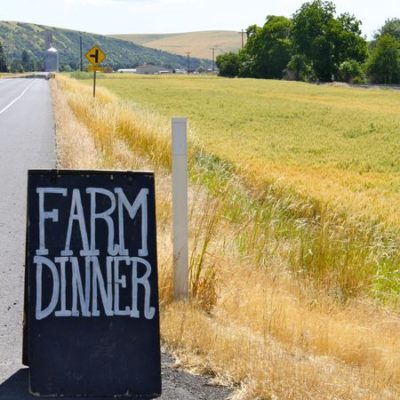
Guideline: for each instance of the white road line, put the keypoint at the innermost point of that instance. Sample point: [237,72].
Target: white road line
[16,99]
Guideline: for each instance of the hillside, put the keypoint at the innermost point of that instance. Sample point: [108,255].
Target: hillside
[18,36]
[199,44]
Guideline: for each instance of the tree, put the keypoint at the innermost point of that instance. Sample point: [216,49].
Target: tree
[301,67]
[228,64]
[26,61]
[351,71]
[391,27]
[326,40]
[384,63]
[16,66]
[349,45]
[268,49]
[3,61]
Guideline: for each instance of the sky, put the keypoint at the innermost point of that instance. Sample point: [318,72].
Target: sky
[170,16]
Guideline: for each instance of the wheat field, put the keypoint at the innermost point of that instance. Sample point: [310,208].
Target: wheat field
[345,141]
[293,295]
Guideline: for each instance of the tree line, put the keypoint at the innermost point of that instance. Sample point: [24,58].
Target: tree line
[316,45]
[26,63]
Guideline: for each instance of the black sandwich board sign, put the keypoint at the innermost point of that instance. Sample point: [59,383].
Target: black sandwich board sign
[91,324]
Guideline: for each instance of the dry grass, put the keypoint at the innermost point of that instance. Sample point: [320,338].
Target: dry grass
[251,323]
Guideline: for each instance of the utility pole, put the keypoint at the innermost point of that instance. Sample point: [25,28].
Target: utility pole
[213,58]
[80,47]
[188,62]
[242,33]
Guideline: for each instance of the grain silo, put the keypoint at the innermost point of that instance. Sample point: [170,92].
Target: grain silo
[51,60]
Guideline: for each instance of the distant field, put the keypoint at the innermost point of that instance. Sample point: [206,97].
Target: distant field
[337,145]
[199,44]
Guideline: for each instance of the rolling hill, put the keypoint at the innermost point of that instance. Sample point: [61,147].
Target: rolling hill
[17,37]
[199,44]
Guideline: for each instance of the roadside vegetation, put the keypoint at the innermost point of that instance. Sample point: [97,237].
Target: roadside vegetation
[294,225]
[3,63]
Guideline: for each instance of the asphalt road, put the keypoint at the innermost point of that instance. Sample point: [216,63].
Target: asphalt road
[27,141]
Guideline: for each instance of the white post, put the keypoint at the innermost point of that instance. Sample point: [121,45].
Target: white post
[180,207]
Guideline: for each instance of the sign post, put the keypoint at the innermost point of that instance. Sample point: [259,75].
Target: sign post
[92,315]
[94,83]
[95,56]
[180,207]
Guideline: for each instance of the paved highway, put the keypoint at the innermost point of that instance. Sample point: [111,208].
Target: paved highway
[26,141]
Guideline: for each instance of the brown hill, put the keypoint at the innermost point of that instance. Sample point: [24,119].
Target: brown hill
[198,44]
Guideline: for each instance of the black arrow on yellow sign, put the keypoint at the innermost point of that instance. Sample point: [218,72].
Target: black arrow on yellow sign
[95,56]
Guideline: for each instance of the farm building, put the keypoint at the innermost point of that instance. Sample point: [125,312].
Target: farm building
[148,69]
[51,62]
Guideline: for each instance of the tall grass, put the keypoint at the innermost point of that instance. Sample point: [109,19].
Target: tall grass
[336,252]
[278,281]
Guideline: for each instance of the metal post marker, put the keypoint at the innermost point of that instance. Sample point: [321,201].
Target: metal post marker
[94,83]
[180,207]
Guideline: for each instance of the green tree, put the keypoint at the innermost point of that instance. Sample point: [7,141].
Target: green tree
[326,40]
[301,67]
[391,27]
[351,71]
[348,43]
[16,66]
[228,64]
[384,63]
[3,61]
[26,61]
[268,49]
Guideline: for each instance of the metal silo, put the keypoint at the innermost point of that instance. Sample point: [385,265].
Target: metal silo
[51,60]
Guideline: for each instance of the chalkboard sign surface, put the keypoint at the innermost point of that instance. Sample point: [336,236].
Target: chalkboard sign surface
[92,317]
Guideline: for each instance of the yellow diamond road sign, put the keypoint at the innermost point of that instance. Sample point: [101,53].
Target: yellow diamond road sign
[95,55]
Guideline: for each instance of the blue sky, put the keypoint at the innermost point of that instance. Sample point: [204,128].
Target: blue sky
[167,16]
